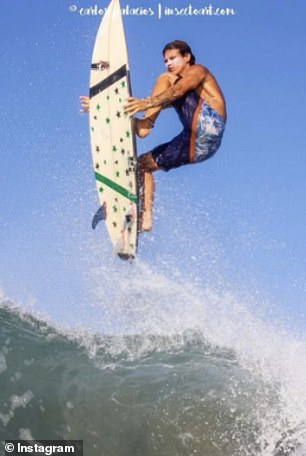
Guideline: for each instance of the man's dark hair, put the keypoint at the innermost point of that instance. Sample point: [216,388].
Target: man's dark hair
[181,46]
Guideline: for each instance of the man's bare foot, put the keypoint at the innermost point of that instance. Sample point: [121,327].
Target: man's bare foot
[142,127]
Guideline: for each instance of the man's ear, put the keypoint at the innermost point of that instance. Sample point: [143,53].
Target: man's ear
[187,57]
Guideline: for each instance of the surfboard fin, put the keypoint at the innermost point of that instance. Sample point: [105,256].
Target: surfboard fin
[99,215]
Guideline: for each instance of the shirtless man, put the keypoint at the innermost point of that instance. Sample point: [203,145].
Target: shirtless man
[194,93]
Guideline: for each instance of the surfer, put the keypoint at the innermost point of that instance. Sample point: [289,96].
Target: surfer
[192,90]
[194,93]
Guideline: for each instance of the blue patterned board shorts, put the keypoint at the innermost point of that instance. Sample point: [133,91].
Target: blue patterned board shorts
[209,132]
[192,145]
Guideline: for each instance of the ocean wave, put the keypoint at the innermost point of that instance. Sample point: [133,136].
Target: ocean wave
[143,394]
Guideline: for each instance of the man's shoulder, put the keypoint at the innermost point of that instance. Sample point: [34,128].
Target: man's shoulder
[197,67]
[200,72]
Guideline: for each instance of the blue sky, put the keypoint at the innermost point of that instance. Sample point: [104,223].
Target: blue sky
[245,208]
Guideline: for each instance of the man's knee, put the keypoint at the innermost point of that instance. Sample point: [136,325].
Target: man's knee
[146,163]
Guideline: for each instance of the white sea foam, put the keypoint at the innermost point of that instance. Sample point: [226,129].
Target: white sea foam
[154,302]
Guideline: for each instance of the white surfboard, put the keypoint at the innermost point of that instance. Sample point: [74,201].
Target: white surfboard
[111,135]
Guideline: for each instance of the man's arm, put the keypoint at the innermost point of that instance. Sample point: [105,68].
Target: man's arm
[144,125]
[191,81]
[162,83]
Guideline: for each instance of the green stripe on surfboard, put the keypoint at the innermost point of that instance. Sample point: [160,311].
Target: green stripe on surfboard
[116,187]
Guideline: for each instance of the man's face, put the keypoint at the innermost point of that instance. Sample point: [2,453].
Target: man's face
[175,62]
